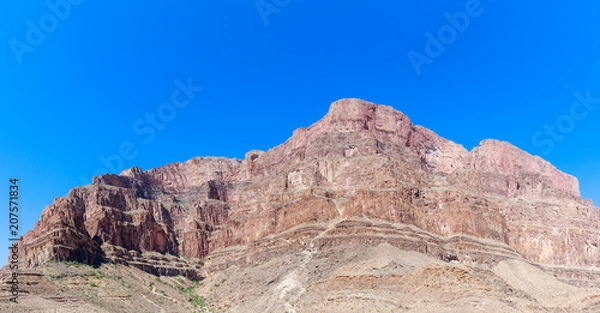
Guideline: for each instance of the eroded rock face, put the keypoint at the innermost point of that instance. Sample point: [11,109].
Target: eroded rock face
[360,161]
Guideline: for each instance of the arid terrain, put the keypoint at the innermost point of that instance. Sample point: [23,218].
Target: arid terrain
[360,212]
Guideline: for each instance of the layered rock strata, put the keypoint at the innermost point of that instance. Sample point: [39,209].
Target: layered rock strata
[416,190]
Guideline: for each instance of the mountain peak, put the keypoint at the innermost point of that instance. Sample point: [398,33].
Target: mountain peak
[361,160]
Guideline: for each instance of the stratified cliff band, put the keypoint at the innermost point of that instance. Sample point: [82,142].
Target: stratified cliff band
[360,161]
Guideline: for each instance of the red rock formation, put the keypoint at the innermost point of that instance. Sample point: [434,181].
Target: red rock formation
[360,161]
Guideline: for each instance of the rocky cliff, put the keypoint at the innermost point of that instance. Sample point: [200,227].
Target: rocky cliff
[364,174]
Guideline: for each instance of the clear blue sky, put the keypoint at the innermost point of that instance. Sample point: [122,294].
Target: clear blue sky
[98,68]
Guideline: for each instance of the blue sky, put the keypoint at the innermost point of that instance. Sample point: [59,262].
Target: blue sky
[78,87]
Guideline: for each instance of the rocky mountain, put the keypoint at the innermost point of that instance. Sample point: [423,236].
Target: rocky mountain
[360,212]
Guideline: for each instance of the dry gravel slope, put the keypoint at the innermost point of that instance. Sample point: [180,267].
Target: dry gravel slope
[347,278]
[383,278]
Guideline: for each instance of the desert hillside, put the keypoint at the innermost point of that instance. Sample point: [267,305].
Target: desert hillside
[360,212]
